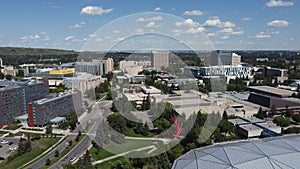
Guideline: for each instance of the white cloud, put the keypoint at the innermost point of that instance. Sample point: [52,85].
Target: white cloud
[46,39]
[119,39]
[73,39]
[263,36]
[94,10]
[77,26]
[279,23]
[188,31]
[218,23]
[156,18]
[277,3]
[152,25]
[230,31]
[30,38]
[187,23]
[266,35]
[69,38]
[211,34]
[224,37]
[246,19]
[193,13]
[138,31]
[157,9]
[116,31]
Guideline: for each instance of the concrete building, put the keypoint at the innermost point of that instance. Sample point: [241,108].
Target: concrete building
[15,95]
[224,58]
[241,71]
[159,59]
[108,64]
[268,96]
[254,127]
[12,103]
[42,111]
[150,90]
[83,82]
[271,91]
[9,70]
[279,74]
[124,64]
[94,68]
[249,130]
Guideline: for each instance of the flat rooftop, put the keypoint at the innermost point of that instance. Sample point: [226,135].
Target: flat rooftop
[269,125]
[49,99]
[272,90]
[150,89]
[250,127]
[236,121]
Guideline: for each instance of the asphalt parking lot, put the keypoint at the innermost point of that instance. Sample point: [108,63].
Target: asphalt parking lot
[4,150]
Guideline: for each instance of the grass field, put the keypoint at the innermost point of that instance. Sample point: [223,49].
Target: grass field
[130,132]
[38,147]
[127,146]
[99,153]
[108,164]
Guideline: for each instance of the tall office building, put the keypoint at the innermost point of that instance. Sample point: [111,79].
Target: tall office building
[12,103]
[15,95]
[40,112]
[108,64]
[224,58]
[94,68]
[109,67]
[159,59]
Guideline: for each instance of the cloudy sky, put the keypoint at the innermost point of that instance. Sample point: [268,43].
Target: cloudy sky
[236,24]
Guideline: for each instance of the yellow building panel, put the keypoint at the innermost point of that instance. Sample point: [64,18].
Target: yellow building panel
[62,72]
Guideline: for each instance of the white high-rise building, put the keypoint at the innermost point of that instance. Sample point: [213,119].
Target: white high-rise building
[159,59]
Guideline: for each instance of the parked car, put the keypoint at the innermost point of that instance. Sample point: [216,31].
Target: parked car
[12,148]
[72,159]
[11,143]
[4,142]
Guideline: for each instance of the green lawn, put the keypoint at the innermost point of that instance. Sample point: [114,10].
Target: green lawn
[12,126]
[108,164]
[38,147]
[127,146]
[130,132]
[99,153]
[63,153]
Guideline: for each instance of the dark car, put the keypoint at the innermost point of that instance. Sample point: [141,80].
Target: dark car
[10,143]
[1,158]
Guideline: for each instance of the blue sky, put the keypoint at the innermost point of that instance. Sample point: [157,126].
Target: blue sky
[236,24]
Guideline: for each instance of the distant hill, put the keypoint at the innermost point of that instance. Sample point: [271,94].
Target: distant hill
[17,51]
[17,55]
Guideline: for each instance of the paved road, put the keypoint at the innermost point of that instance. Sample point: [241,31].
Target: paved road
[93,118]
[60,148]
[77,151]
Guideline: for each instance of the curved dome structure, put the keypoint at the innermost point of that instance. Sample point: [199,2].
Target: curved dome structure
[270,153]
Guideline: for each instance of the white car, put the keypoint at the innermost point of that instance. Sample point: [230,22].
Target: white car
[73,159]
[4,142]
[12,148]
